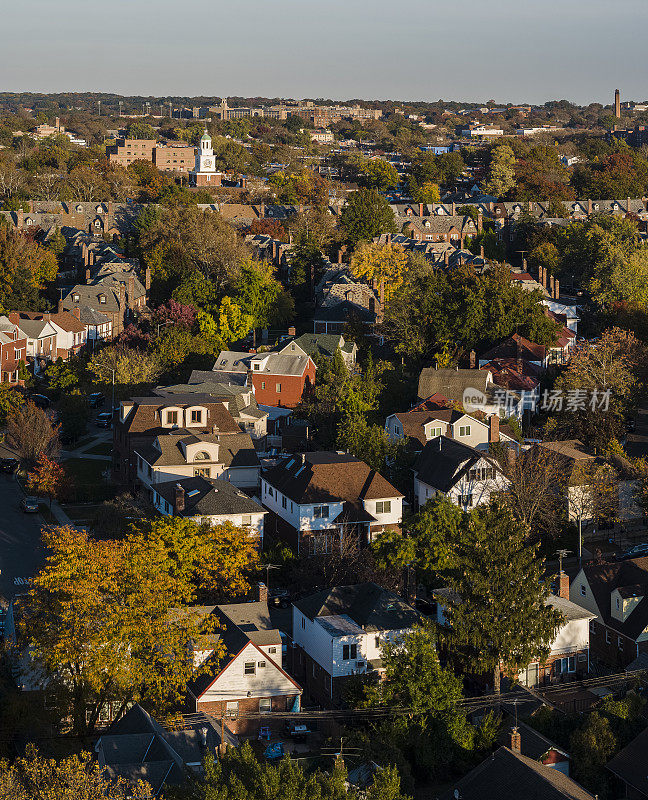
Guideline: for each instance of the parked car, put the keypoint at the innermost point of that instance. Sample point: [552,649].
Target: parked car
[29,505]
[9,465]
[279,597]
[634,552]
[104,420]
[40,400]
[96,399]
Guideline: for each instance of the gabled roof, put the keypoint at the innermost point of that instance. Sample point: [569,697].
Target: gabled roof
[506,774]
[603,579]
[234,449]
[443,462]
[452,383]
[630,764]
[327,476]
[516,346]
[368,605]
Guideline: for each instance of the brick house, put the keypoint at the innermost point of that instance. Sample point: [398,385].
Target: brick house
[439,228]
[13,348]
[118,296]
[250,678]
[142,419]
[278,379]
[317,498]
[615,594]
[339,632]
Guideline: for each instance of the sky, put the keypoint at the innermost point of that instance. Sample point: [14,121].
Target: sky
[466,50]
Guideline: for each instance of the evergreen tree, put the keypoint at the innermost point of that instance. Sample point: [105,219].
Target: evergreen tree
[497,610]
[367,214]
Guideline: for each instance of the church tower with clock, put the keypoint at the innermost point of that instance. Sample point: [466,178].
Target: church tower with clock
[204,172]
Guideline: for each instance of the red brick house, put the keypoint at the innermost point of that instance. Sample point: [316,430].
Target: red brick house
[615,593]
[13,346]
[278,379]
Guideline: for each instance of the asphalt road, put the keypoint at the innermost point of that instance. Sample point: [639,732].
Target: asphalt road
[20,552]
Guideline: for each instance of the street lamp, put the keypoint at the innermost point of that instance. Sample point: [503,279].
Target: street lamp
[162,324]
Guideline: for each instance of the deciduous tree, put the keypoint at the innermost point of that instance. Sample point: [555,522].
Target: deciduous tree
[48,478]
[366,215]
[31,433]
[385,263]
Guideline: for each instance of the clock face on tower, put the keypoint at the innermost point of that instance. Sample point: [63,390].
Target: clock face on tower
[207,162]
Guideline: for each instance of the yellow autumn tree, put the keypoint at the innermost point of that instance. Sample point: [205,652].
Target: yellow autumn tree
[380,262]
[114,621]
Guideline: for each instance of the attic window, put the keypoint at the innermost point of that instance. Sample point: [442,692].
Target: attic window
[29,221]
[102,298]
[75,298]
[97,223]
[201,456]
[99,210]
[79,208]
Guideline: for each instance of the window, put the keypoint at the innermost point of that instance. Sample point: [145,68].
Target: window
[377,641]
[607,637]
[172,417]
[272,650]
[466,500]
[397,430]
[261,665]
[256,366]
[270,492]
[202,472]
[246,519]
[232,707]
[303,622]
[201,456]
[617,603]
[167,507]
[284,502]
[250,668]
[434,432]
[464,430]
[592,627]
[349,652]
[265,705]
[196,415]
[583,590]
[278,388]
[102,298]
[383,507]
[320,512]
[620,642]
[263,384]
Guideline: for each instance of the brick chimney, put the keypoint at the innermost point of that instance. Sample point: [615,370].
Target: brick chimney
[31,206]
[530,206]
[110,206]
[131,291]
[446,258]
[473,359]
[454,209]
[59,307]
[20,218]
[480,222]
[589,206]
[481,251]
[563,585]
[524,265]
[261,210]
[541,277]
[179,498]
[261,592]
[147,280]
[122,303]
[491,206]
[556,289]
[91,257]
[292,331]
[421,213]
[493,428]
[552,286]
[87,275]
[627,205]
[77,312]
[515,741]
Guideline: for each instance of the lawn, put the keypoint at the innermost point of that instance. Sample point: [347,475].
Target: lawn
[87,482]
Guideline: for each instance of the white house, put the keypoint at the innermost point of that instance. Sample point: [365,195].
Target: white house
[422,426]
[464,474]
[208,500]
[319,497]
[569,650]
[340,632]
[227,456]
[249,677]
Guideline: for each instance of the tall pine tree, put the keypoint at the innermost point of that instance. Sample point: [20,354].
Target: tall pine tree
[497,611]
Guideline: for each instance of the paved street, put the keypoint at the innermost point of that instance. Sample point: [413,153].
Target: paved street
[20,554]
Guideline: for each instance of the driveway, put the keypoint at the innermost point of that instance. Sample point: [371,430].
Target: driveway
[20,552]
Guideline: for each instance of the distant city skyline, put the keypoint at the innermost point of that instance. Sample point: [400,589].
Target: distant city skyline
[467,50]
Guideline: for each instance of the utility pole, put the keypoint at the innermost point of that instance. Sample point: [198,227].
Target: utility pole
[99,104]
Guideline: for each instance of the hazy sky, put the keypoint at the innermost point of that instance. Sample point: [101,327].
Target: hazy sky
[507,50]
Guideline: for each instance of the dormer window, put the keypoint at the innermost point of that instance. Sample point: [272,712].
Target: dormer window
[99,209]
[29,221]
[596,206]
[97,223]
[102,298]
[172,417]
[427,223]
[75,298]
[201,456]
[79,208]
[196,415]
[256,366]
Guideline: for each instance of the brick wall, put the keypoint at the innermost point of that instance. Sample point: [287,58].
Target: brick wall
[292,388]
[174,158]
[248,705]
[619,651]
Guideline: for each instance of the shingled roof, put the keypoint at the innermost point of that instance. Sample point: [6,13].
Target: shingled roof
[324,476]
[603,579]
